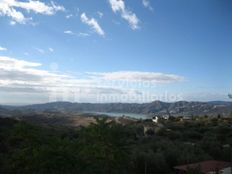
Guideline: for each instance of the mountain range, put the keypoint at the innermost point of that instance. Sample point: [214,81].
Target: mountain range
[180,108]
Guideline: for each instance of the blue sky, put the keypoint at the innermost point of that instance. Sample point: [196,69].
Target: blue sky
[115,50]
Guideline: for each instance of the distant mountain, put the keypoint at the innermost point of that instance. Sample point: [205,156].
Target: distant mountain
[179,108]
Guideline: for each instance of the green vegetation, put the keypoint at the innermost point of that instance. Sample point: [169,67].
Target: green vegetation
[110,148]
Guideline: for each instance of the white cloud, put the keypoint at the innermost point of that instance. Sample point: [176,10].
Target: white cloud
[51,50]
[100,14]
[130,17]
[39,7]
[6,9]
[93,24]
[40,50]
[139,76]
[12,23]
[23,73]
[3,49]
[7,62]
[69,32]
[147,4]
[80,34]
[14,8]
[69,16]
[20,78]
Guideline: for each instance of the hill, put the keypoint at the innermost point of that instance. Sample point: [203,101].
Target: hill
[180,108]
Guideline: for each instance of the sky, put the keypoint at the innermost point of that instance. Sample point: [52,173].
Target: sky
[115,50]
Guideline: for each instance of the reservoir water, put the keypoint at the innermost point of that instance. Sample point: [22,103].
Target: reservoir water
[113,114]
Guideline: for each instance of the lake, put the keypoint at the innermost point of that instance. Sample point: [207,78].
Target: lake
[113,114]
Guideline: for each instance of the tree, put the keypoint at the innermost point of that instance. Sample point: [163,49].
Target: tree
[103,147]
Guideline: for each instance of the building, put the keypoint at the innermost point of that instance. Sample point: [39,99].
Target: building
[165,117]
[206,167]
[155,119]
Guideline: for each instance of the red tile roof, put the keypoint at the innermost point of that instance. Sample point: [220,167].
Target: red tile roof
[205,166]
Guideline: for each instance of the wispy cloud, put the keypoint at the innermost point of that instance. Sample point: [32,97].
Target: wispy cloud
[147,4]
[24,74]
[80,34]
[129,16]
[139,76]
[14,9]
[51,50]
[41,51]
[3,49]
[25,78]
[100,14]
[93,24]
[68,16]
[69,32]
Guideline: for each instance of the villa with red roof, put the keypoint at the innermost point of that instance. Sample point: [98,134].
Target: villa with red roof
[206,167]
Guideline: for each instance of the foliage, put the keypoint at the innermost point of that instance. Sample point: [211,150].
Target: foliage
[109,147]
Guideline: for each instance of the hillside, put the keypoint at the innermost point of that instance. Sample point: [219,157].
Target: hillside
[181,108]
[109,147]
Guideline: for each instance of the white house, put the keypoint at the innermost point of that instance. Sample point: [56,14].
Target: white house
[155,119]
